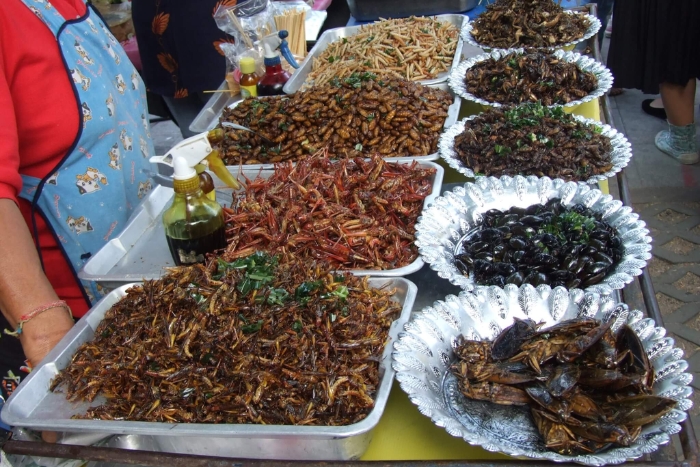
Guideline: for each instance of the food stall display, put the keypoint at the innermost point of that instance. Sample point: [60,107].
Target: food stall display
[538,24]
[415,48]
[284,344]
[646,384]
[358,115]
[418,48]
[359,214]
[542,235]
[535,140]
[275,340]
[516,76]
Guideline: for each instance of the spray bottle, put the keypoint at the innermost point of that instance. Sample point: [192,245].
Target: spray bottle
[194,223]
[275,76]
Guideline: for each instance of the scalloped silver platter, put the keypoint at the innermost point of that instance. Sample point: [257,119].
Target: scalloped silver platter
[602,73]
[620,155]
[593,28]
[447,221]
[424,352]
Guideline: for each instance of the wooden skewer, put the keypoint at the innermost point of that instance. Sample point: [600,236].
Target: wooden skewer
[217,90]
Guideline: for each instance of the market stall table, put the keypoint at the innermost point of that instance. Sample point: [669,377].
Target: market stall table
[404,434]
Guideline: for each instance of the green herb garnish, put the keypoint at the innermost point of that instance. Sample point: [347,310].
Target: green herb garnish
[253,327]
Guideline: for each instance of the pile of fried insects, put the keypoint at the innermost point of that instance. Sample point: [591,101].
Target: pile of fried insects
[529,77]
[359,115]
[262,339]
[588,387]
[531,139]
[528,23]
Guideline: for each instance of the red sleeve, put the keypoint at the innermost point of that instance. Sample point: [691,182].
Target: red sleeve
[10,180]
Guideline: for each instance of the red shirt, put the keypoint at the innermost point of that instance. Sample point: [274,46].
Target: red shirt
[38,121]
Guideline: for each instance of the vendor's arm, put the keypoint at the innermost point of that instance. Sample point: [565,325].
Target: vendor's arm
[23,285]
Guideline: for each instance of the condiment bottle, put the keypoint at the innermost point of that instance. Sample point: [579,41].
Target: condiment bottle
[275,77]
[249,80]
[194,224]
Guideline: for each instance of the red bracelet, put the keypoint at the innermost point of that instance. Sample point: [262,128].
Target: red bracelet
[37,311]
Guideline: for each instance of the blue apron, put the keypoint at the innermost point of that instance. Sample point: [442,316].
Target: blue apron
[88,197]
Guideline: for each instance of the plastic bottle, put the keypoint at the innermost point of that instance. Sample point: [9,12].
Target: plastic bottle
[249,79]
[272,82]
[194,224]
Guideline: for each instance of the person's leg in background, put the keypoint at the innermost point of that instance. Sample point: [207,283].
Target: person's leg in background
[185,110]
[604,9]
[679,141]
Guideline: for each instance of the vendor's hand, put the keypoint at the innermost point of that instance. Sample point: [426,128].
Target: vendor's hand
[41,334]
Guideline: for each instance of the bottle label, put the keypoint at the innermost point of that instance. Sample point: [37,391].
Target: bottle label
[249,91]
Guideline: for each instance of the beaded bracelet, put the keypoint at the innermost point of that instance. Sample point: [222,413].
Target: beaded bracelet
[37,311]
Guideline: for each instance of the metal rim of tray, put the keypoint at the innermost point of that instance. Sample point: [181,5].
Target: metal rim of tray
[425,350]
[443,226]
[601,72]
[620,155]
[592,30]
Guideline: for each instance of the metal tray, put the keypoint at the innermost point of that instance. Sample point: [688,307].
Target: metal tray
[208,118]
[33,406]
[299,76]
[140,251]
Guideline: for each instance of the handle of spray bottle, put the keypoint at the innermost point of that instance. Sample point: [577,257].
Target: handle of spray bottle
[216,164]
[284,48]
[219,168]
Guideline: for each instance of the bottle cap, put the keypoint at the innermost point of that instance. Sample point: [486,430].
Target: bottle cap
[247,65]
[182,170]
[272,61]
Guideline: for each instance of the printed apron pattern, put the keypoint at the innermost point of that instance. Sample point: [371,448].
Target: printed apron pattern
[91,193]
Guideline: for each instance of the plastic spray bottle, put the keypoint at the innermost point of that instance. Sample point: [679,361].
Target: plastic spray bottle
[272,82]
[194,223]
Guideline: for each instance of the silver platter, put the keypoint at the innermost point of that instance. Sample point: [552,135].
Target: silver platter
[444,224]
[593,28]
[602,73]
[425,350]
[620,155]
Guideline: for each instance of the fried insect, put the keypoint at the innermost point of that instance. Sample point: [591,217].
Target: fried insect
[529,77]
[580,402]
[533,140]
[355,116]
[415,48]
[357,214]
[527,23]
[270,340]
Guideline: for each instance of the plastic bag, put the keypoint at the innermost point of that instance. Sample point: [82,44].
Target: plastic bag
[247,23]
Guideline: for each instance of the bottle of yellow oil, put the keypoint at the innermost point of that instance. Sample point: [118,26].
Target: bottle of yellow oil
[194,224]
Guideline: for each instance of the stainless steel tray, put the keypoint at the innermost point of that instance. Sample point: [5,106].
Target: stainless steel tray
[33,406]
[209,116]
[299,76]
[140,251]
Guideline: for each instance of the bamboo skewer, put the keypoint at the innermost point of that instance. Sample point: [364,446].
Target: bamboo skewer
[238,26]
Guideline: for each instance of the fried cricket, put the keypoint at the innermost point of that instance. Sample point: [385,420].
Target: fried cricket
[254,340]
[358,214]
